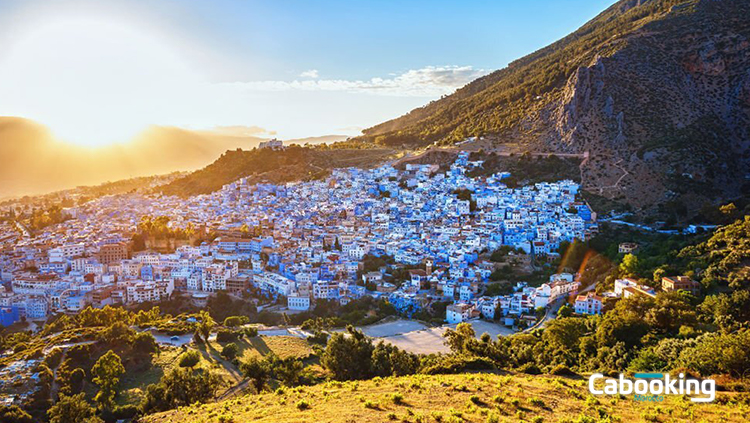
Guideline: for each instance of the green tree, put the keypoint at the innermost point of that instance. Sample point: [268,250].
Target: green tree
[719,353]
[190,358]
[180,387]
[348,355]
[71,383]
[629,265]
[288,370]
[457,339]
[234,321]
[388,360]
[106,373]
[230,351]
[258,371]
[565,311]
[72,409]
[206,324]
[144,343]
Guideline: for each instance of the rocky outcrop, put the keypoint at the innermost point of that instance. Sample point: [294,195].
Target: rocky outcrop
[666,117]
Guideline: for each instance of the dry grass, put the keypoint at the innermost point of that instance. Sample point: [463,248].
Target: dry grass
[449,398]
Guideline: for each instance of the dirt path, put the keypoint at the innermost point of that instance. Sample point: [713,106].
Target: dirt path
[55,387]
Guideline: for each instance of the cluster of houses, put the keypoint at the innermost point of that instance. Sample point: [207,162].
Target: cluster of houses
[304,241]
[591,303]
[523,301]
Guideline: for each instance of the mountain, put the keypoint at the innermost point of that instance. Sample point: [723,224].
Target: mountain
[657,92]
[33,162]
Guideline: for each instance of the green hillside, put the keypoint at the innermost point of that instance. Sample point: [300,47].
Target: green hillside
[497,101]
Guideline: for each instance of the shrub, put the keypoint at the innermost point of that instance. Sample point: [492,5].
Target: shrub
[562,370]
[230,351]
[234,321]
[457,364]
[124,412]
[303,405]
[397,398]
[258,371]
[530,368]
[190,358]
[538,402]
[475,399]
[225,336]
[372,405]
[251,332]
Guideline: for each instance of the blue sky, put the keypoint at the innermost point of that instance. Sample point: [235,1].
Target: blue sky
[294,68]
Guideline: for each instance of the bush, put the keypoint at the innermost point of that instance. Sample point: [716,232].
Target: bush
[397,398]
[230,351]
[303,405]
[457,364]
[562,370]
[125,412]
[234,321]
[53,358]
[225,336]
[190,358]
[180,387]
[538,402]
[14,414]
[251,332]
[372,405]
[530,369]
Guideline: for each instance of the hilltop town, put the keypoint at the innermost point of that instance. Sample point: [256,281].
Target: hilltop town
[304,241]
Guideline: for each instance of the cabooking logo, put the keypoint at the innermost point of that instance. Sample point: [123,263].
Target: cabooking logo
[652,387]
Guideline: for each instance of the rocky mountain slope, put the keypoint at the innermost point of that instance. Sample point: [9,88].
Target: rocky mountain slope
[657,91]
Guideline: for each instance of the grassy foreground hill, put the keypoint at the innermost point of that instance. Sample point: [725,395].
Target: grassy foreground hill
[479,397]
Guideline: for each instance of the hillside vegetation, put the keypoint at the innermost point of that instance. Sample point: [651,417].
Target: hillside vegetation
[293,163]
[499,100]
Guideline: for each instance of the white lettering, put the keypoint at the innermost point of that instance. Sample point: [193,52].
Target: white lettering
[593,379]
[641,386]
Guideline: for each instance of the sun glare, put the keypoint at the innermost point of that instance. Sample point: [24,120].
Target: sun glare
[92,80]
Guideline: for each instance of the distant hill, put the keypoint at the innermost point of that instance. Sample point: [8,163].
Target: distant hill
[33,162]
[657,91]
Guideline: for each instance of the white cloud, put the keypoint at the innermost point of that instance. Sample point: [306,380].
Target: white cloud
[312,73]
[431,81]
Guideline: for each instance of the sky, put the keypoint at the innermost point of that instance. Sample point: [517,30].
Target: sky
[98,72]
